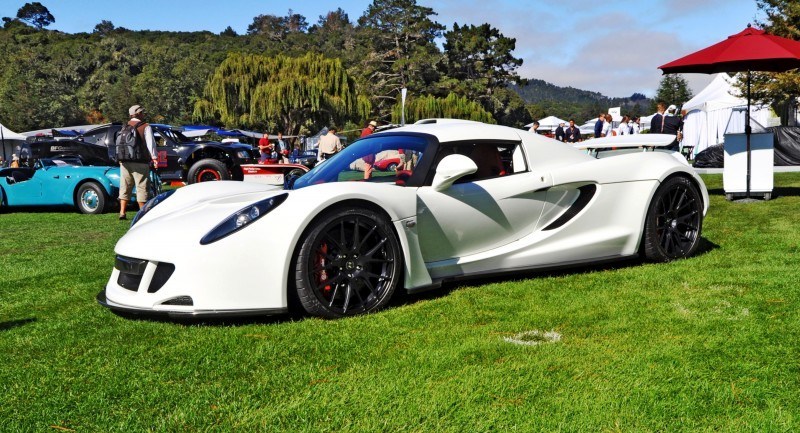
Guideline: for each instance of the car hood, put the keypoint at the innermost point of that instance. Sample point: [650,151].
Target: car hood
[212,201]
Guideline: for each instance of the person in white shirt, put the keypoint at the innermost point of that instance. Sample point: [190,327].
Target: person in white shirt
[329,144]
[623,128]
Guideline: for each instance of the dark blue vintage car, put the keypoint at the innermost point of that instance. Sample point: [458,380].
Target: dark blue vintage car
[60,182]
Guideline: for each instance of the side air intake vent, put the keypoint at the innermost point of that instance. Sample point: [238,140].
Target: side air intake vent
[586,194]
[180,300]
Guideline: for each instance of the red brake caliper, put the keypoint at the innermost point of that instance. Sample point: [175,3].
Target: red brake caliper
[323,274]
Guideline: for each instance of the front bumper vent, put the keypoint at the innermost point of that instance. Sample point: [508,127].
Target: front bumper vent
[131,271]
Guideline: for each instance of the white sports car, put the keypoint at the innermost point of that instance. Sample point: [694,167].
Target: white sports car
[466,199]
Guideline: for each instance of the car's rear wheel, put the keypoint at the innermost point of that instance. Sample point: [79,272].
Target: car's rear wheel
[674,221]
[91,199]
[391,167]
[208,169]
[349,263]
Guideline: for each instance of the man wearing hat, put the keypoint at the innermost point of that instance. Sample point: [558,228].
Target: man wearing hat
[137,172]
[369,160]
[14,161]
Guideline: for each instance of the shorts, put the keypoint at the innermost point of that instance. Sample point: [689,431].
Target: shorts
[134,174]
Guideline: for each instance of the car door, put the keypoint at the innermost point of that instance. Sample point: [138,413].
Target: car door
[24,191]
[483,212]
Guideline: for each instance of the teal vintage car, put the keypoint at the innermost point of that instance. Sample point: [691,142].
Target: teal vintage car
[60,182]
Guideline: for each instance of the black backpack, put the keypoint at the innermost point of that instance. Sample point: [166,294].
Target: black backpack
[129,147]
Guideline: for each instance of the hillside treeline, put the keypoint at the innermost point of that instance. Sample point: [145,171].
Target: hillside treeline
[283,74]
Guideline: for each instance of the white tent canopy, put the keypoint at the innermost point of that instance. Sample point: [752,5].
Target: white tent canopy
[10,143]
[710,110]
[548,123]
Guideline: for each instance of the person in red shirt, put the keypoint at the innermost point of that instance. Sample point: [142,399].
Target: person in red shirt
[369,160]
[265,148]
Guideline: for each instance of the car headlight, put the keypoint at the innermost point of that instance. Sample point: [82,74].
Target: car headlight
[243,218]
[153,202]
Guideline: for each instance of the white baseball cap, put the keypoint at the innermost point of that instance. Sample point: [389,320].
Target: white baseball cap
[135,109]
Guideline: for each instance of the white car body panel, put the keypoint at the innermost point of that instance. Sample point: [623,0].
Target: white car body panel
[486,226]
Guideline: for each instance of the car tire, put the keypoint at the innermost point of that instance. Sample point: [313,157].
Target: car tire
[295,172]
[674,221]
[391,167]
[348,263]
[208,169]
[91,199]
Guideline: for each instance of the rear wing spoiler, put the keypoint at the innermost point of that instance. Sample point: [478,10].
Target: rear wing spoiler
[627,142]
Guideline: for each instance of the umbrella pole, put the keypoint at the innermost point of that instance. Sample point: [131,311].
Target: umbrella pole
[747,131]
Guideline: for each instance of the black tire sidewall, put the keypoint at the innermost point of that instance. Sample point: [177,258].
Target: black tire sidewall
[651,245]
[208,163]
[308,297]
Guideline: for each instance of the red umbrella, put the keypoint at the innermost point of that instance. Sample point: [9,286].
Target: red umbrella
[750,50]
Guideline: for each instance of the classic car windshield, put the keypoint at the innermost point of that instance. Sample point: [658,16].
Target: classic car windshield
[396,155]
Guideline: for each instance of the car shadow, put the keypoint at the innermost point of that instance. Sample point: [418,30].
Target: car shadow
[11,324]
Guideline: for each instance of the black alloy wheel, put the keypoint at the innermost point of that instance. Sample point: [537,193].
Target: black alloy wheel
[674,221]
[349,264]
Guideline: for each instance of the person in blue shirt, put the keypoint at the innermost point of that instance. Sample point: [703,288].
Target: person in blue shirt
[598,126]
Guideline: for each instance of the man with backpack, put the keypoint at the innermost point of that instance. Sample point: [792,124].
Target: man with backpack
[136,149]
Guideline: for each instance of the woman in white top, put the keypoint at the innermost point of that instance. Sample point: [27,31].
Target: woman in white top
[623,128]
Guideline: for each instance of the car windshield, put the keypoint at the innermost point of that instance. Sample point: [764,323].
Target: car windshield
[59,162]
[172,134]
[390,158]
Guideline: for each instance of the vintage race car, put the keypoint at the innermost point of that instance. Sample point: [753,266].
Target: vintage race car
[60,182]
[272,174]
[471,199]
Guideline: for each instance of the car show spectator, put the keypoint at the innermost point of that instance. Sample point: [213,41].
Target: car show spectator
[607,122]
[635,125]
[560,132]
[265,148]
[369,160]
[535,128]
[279,149]
[14,161]
[623,128]
[657,123]
[572,134]
[136,170]
[329,145]
[598,126]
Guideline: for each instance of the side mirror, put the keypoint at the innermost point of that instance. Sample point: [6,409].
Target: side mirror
[450,169]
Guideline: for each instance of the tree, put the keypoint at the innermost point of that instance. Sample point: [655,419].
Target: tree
[479,62]
[255,91]
[229,31]
[673,89]
[36,15]
[334,34]
[399,39]
[278,28]
[777,89]
[103,28]
[452,106]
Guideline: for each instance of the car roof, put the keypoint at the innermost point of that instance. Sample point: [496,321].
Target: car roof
[446,130]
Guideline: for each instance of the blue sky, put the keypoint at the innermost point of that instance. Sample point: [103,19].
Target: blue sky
[609,47]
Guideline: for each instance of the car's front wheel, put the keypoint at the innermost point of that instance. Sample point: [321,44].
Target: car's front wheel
[674,221]
[207,170]
[91,198]
[349,263]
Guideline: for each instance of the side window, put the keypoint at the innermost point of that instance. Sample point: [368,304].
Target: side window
[492,159]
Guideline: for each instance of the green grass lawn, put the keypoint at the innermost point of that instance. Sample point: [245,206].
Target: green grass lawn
[711,343]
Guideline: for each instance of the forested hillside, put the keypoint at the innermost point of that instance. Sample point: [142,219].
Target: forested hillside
[284,73]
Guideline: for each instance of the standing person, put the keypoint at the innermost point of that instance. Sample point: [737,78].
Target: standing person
[135,170]
[635,125]
[369,160]
[535,128]
[657,122]
[264,148]
[572,133]
[329,145]
[623,128]
[607,122]
[560,132]
[279,148]
[598,126]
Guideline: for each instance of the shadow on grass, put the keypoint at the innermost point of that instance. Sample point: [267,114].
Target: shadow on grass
[11,324]
[401,297]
